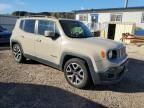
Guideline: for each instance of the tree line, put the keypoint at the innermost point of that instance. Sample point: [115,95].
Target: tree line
[69,15]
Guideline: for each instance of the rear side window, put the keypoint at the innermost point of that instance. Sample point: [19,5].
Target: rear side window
[28,26]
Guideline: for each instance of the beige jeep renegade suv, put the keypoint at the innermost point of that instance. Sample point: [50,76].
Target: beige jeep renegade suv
[68,45]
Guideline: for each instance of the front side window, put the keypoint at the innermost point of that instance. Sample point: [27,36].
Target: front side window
[75,29]
[45,25]
[29,26]
[142,20]
[116,17]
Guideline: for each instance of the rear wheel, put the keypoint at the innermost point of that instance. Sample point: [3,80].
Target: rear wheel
[76,73]
[17,53]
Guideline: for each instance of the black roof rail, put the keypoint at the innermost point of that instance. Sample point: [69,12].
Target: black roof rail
[40,16]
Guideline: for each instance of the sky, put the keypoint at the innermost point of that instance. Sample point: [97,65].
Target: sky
[8,6]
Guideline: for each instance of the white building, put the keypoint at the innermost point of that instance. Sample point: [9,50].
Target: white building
[8,21]
[114,21]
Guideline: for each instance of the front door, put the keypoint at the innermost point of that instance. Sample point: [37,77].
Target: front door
[45,47]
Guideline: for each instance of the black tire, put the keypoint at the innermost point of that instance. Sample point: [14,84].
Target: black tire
[75,76]
[18,53]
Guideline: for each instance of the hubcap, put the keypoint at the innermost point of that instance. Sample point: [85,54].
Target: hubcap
[17,52]
[75,73]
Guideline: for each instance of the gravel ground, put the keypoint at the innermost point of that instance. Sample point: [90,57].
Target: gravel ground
[34,85]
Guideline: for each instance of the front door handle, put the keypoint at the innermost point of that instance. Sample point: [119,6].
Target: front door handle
[38,40]
[22,36]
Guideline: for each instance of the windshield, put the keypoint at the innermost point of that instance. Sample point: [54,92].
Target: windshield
[75,29]
[1,28]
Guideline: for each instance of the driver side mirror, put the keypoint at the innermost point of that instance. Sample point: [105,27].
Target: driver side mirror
[49,34]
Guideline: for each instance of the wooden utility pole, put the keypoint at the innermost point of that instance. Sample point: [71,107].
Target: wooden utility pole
[126,3]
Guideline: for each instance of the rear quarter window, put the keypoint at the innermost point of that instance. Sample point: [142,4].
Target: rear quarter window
[21,24]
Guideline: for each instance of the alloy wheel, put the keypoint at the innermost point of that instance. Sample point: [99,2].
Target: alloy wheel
[75,73]
[17,52]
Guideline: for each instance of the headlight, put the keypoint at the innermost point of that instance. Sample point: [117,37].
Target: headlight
[110,54]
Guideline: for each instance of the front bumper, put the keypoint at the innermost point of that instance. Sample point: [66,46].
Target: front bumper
[112,75]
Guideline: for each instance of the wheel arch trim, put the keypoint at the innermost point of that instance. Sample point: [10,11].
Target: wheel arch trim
[15,41]
[87,59]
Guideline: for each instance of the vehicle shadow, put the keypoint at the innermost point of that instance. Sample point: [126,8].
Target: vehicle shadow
[132,82]
[14,95]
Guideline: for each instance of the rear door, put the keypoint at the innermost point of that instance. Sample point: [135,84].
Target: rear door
[27,36]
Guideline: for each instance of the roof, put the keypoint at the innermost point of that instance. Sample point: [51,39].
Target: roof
[44,18]
[111,10]
[38,18]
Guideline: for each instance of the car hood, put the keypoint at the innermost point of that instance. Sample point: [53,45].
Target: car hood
[96,42]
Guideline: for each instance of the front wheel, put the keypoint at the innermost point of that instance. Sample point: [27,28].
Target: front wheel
[17,53]
[76,73]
